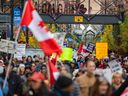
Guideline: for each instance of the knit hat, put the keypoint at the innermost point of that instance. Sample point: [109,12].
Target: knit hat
[21,66]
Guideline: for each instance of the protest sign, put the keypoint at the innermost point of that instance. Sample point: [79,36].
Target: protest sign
[101,50]
[7,46]
[125,93]
[20,51]
[32,52]
[60,38]
[115,66]
[67,54]
[90,47]
[107,73]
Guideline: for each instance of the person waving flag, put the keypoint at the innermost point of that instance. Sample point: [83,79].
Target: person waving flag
[33,21]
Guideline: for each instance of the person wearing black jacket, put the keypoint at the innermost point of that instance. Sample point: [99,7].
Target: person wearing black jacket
[15,84]
[63,86]
[120,90]
[36,86]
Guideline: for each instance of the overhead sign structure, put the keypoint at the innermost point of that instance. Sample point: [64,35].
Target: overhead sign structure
[101,50]
[7,46]
[72,19]
[90,47]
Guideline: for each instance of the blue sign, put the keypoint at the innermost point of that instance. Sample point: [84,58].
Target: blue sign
[24,28]
[17,16]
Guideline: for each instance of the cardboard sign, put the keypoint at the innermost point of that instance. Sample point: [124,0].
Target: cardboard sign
[125,93]
[32,52]
[115,66]
[108,75]
[7,46]
[90,47]
[101,50]
[20,51]
[67,54]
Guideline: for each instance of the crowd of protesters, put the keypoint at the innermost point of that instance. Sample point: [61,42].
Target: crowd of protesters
[29,77]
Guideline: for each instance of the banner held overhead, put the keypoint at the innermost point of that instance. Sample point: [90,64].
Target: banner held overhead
[101,50]
[67,54]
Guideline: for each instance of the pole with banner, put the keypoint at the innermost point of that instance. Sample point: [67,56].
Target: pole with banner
[10,61]
[16,18]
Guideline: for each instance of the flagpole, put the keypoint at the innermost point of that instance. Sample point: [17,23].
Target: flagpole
[10,61]
[47,65]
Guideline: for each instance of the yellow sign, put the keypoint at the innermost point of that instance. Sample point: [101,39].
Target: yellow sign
[67,54]
[101,50]
[78,19]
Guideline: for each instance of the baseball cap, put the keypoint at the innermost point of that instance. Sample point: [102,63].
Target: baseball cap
[36,76]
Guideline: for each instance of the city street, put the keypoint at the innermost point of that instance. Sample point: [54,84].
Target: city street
[63,47]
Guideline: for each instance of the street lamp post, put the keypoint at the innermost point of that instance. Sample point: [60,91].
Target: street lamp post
[12,15]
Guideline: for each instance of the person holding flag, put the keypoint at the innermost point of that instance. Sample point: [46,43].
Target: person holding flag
[33,21]
[47,43]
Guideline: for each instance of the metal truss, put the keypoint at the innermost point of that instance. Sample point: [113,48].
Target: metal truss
[110,12]
[74,11]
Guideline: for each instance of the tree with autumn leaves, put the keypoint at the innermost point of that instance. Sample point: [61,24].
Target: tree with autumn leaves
[117,37]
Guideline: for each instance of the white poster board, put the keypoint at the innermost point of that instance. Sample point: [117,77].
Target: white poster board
[32,52]
[20,51]
[115,66]
[108,75]
[7,46]
[60,38]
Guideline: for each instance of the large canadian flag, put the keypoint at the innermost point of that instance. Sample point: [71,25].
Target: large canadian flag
[33,21]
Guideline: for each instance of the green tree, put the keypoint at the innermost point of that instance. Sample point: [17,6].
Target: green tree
[124,36]
[108,37]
